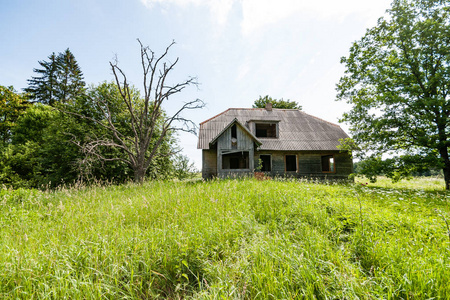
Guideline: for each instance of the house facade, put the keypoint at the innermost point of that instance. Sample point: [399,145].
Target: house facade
[278,142]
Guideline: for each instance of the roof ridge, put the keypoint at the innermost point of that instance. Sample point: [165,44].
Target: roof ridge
[244,108]
[215,116]
[258,108]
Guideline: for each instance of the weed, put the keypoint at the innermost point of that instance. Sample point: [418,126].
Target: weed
[240,239]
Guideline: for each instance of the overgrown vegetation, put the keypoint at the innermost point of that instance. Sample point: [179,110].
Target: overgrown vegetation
[242,239]
[61,132]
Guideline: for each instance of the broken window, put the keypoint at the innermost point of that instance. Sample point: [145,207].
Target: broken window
[328,163]
[266,130]
[237,160]
[233,131]
[291,163]
[266,163]
[233,137]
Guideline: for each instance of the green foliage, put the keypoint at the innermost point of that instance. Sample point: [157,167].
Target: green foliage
[107,132]
[280,103]
[60,79]
[106,97]
[45,147]
[39,153]
[397,81]
[183,168]
[12,105]
[228,239]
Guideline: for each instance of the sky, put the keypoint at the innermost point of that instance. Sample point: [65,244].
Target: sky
[237,49]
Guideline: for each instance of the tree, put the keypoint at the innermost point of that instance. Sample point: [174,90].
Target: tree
[21,164]
[287,104]
[12,105]
[69,76]
[141,138]
[60,79]
[113,168]
[42,88]
[397,80]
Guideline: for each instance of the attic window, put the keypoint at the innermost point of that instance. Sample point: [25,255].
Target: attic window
[233,137]
[268,130]
[328,165]
[233,131]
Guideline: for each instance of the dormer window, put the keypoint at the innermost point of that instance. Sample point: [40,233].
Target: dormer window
[266,130]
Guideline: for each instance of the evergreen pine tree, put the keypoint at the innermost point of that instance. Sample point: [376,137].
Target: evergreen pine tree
[69,76]
[42,88]
[61,79]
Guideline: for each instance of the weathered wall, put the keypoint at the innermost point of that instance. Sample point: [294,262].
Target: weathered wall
[209,163]
[244,142]
[309,164]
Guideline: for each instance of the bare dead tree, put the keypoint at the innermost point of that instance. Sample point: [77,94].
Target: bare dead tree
[147,118]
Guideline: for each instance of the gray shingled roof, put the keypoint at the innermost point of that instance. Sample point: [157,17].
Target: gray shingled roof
[297,130]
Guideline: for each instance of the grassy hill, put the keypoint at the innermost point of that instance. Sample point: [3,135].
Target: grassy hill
[239,239]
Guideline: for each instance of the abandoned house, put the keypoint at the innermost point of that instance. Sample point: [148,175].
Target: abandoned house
[278,142]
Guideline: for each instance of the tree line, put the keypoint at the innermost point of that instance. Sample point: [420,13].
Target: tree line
[60,131]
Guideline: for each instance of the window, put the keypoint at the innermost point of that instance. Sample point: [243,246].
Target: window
[291,163]
[328,164]
[238,160]
[233,131]
[266,163]
[266,130]
[233,137]
[234,162]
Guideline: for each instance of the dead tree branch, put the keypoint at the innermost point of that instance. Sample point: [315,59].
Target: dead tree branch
[148,123]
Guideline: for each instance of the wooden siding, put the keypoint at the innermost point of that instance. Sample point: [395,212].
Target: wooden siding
[309,164]
[244,141]
[224,146]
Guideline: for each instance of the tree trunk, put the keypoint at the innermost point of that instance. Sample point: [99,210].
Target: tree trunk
[139,174]
[444,155]
[446,170]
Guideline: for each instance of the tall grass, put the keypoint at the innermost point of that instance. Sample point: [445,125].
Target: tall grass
[239,239]
[429,183]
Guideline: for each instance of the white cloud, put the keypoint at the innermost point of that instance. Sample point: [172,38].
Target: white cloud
[259,13]
[182,3]
[256,14]
[219,8]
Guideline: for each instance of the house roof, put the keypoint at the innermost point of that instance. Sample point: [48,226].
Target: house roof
[298,131]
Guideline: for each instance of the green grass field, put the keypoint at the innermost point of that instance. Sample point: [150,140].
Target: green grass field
[229,239]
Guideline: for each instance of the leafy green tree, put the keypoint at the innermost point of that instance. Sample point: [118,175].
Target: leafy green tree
[44,148]
[21,164]
[60,79]
[397,80]
[12,105]
[287,104]
[183,167]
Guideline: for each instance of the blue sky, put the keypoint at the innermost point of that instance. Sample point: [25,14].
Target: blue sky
[238,49]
